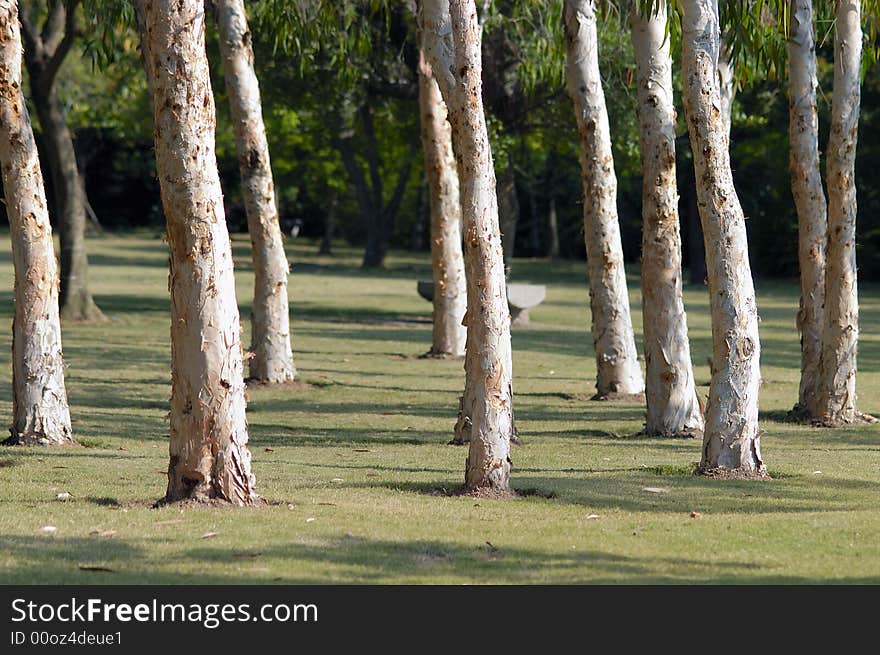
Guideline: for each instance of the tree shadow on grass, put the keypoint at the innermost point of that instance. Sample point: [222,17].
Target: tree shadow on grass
[623,489]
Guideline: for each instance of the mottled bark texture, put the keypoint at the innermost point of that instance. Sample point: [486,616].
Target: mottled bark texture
[809,197]
[670,391]
[447,260]
[617,364]
[45,51]
[731,443]
[272,360]
[836,397]
[40,415]
[209,454]
[452,45]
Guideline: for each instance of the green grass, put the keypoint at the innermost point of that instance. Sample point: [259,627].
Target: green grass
[355,464]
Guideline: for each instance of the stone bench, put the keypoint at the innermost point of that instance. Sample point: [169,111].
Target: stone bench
[520,298]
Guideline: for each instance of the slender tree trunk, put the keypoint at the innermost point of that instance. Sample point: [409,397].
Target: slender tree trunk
[508,214]
[209,454]
[326,247]
[809,197]
[553,229]
[452,45]
[272,359]
[836,397]
[447,261]
[731,444]
[46,49]
[673,408]
[617,364]
[40,415]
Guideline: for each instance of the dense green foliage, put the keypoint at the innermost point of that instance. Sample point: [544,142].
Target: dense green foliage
[321,63]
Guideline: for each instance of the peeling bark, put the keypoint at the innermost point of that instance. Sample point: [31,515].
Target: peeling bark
[272,361]
[731,442]
[40,414]
[836,398]
[617,364]
[452,46]
[209,458]
[447,260]
[670,391]
[809,197]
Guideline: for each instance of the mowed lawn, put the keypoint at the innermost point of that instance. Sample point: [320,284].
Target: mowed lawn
[355,463]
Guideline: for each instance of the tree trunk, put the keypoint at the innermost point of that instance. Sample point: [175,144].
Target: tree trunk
[673,408]
[553,229]
[452,46]
[617,364]
[272,359]
[836,397]
[508,214]
[42,58]
[209,454]
[447,261]
[326,247]
[731,444]
[39,399]
[809,197]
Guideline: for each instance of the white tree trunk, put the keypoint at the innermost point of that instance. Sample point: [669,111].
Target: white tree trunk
[809,197]
[731,444]
[209,454]
[272,359]
[670,391]
[617,364]
[836,399]
[452,46]
[40,415]
[447,260]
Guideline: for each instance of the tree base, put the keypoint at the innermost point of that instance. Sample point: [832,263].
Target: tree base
[489,493]
[193,501]
[36,439]
[683,434]
[620,397]
[858,419]
[82,310]
[718,473]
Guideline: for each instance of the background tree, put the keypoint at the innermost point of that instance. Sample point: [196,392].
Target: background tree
[40,414]
[617,365]
[208,448]
[447,260]
[835,401]
[809,196]
[731,443]
[452,45]
[45,50]
[272,359]
[670,391]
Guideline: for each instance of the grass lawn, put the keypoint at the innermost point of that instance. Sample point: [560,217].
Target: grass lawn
[354,461]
